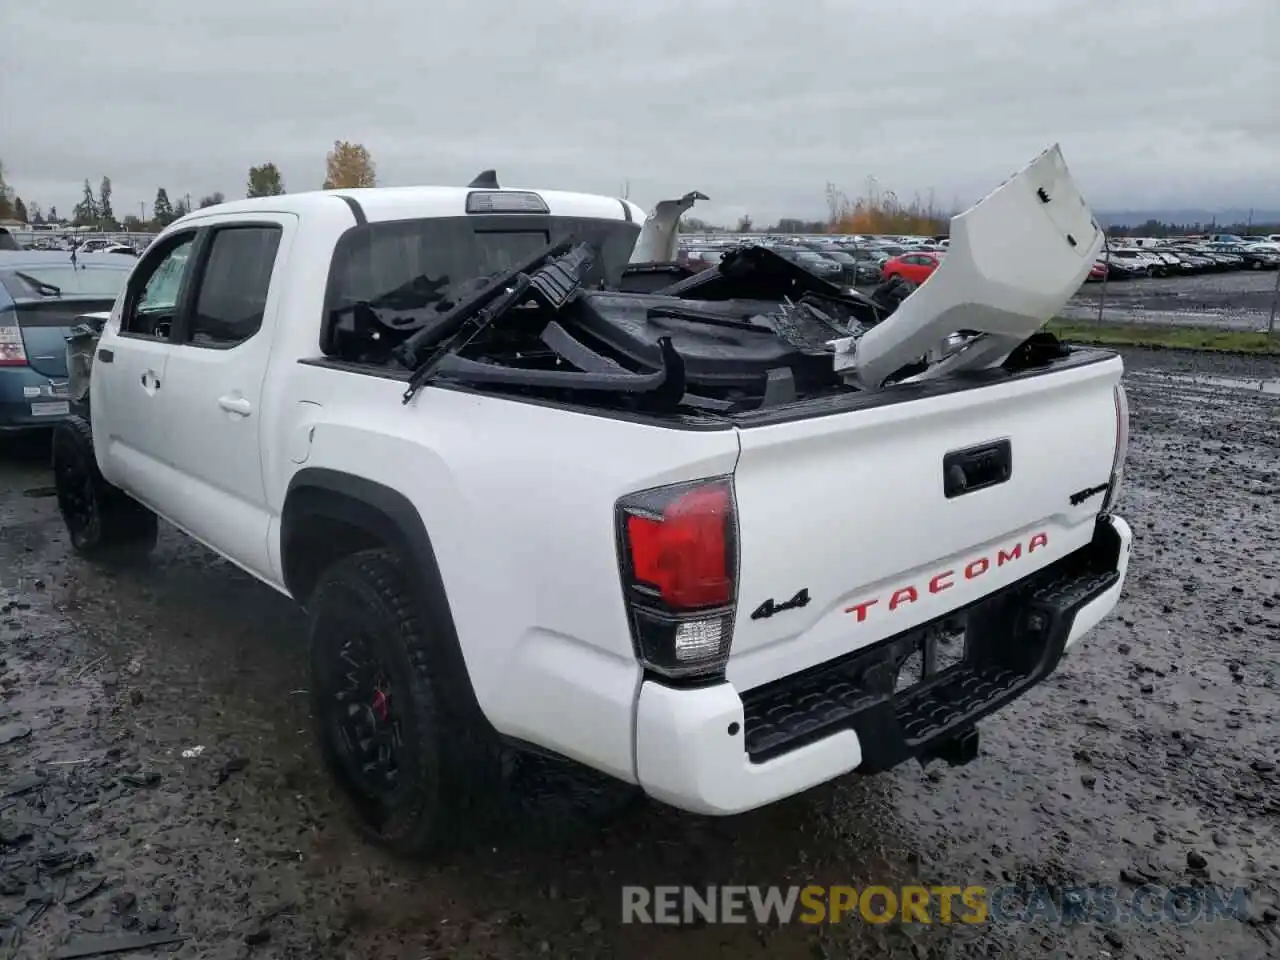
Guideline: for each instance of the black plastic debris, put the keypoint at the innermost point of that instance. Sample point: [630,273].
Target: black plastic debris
[142,778]
[102,945]
[234,765]
[10,732]
[21,784]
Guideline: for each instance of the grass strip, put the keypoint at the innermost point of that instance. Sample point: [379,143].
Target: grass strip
[1166,337]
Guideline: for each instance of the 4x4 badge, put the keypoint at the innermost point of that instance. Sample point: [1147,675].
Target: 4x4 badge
[769,607]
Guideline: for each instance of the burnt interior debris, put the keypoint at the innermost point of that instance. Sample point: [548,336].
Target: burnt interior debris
[750,333]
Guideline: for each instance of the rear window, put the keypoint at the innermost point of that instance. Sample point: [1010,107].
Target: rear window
[430,257]
[58,313]
[94,281]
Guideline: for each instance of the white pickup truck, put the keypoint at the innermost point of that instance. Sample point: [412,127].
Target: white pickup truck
[725,541]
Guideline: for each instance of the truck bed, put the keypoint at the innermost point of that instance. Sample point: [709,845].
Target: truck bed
[838,399]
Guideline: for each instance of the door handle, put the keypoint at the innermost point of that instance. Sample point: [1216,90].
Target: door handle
[105,355]
[976,468]
[237,405]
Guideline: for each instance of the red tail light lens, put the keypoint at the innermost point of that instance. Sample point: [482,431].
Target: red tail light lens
[678,552]
[684,552]
[13,352]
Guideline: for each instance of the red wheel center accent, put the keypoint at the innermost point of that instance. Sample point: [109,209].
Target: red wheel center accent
[381,705]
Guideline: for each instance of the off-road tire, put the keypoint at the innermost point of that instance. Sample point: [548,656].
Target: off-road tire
[104,523]
[450,763]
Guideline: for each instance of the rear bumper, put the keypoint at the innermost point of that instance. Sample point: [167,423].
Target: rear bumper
[26,398]
[715,751]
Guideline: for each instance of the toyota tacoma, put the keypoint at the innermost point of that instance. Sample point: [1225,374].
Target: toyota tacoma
[722,541]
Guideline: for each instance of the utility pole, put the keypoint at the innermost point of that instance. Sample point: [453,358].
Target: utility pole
[187,201]
[142,211]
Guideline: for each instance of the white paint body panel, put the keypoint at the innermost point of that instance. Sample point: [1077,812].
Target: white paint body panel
[851,506]
[686,756]
[1013,261]
[518,499]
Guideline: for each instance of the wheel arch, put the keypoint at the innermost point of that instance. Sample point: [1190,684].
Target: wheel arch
[329,514]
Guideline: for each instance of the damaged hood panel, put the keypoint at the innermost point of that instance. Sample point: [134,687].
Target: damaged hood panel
[1015,259]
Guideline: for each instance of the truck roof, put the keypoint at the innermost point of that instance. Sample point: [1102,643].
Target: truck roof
[397,203]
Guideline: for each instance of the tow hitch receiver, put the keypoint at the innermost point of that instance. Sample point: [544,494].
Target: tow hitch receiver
[955,751]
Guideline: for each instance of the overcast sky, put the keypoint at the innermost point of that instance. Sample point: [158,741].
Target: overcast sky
[758,103]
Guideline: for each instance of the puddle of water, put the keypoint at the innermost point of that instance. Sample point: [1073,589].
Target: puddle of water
[1231,383]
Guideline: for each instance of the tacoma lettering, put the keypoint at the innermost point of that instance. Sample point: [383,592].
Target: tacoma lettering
[945,579]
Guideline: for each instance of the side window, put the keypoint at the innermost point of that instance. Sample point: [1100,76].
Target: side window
[232,296]
[153,299]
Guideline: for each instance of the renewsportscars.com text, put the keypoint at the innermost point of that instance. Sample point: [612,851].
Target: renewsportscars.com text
[933,904]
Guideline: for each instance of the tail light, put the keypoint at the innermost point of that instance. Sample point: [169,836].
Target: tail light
[1122,449]
[678,553]
[13,353]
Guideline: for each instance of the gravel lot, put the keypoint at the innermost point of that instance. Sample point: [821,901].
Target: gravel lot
[1152,750]
[1238,301]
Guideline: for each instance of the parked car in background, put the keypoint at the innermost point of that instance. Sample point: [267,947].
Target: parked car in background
[849,266]
[699,259]
[1149,265]
[913,267]
[814,262]
[1123,268]
[96,245]
[1251,258]
[42,295]
[1225,258]
[1172,263]
[1097,272]
[1193,262]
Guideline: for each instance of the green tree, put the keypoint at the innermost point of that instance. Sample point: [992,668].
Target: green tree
[86,211]
[162,209]
[6,202]
[212,200]
[37,215]
[694,225]
[744,223]
[53,215]
[265,181]
[181,209]
[20,210]
[348,165]
[104,203]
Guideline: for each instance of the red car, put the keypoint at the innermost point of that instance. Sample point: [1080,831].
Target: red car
[916,267]
[1098,271]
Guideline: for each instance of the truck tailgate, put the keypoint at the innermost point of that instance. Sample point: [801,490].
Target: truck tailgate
[847,534]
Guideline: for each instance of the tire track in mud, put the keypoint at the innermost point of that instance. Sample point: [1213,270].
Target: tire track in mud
[1152,749]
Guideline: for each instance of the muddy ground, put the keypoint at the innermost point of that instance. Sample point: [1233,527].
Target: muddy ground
[1151,756]
[1239,300]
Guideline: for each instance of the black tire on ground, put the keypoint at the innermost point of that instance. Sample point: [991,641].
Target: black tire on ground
[104,522]
[416,771]
[1257,265]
